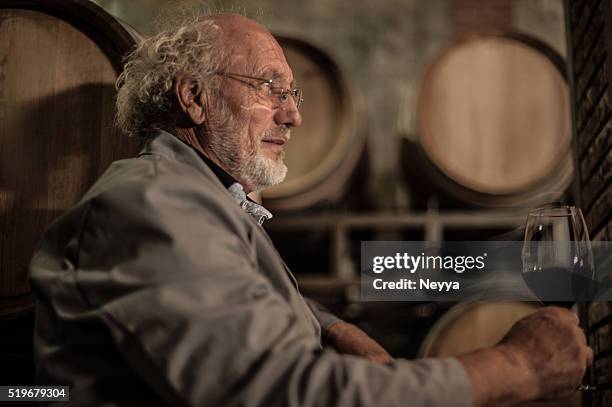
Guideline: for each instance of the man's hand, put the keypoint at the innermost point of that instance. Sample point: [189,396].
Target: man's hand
[544,356]
[347,338]
[553,348]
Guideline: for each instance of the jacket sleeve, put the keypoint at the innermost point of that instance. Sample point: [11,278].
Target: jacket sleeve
[326,319]
[174,278]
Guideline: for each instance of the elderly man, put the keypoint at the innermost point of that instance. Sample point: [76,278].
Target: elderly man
[161,287]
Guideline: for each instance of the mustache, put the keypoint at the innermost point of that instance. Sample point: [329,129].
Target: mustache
[281,132]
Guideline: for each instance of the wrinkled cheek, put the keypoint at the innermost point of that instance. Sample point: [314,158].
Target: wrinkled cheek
[261,121]
[262,117]
[248,146]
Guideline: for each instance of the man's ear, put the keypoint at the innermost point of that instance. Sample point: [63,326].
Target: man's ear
[189,93]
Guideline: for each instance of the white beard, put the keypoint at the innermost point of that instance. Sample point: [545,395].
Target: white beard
[261,172]
[240,156]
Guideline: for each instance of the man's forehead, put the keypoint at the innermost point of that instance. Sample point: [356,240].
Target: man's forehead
[260,62]
[253,49]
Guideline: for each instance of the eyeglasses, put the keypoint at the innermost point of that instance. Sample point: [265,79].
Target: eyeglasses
[277,92]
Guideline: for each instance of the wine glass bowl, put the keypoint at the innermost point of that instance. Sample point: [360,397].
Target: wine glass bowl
[557,256]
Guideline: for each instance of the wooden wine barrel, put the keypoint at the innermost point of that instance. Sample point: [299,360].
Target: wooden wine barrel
[59,60]
[467,327]
[470,326]
[493,118]
[325,149]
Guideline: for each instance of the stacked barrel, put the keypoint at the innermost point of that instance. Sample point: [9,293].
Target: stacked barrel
[59,60]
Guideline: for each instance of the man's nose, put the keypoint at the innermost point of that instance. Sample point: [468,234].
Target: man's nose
[288,115]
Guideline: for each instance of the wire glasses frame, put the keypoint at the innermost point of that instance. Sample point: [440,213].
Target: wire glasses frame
[281,94]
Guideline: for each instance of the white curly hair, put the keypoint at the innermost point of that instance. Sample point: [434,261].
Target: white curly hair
[145,87]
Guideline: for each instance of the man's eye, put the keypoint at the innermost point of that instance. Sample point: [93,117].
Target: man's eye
[284,97]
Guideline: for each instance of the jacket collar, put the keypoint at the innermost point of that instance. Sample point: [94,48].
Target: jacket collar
[172,148]
[162,143]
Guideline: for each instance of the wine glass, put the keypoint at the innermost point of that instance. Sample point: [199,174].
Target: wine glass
[557,255]
[558,259]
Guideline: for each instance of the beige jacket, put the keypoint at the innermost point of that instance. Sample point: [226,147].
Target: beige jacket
[158,289]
